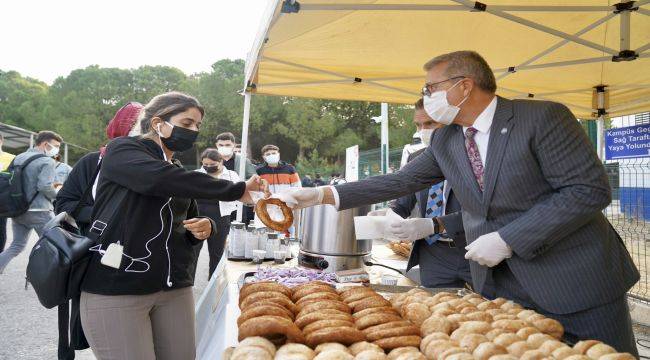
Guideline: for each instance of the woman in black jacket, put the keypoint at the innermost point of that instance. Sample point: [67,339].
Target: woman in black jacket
[136,300]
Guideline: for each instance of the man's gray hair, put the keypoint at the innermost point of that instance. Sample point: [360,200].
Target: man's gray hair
[468,64]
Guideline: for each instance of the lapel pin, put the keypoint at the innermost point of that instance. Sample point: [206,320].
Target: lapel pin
[503,131]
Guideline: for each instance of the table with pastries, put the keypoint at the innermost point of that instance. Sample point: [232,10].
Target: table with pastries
[241,316]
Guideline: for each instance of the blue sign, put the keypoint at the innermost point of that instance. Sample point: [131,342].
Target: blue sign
[627,142]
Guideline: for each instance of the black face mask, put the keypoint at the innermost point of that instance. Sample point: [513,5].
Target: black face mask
[211,169]
[181,139]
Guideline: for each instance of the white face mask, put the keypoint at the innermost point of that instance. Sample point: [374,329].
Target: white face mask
[52,150]
[425,135]
[439,109]
[272,159]
[225,150]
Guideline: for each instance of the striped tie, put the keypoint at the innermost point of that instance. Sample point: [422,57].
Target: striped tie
[434,208]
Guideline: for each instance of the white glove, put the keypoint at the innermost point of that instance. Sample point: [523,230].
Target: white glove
[299,198]
[380,212]
[410,229]
[488,250]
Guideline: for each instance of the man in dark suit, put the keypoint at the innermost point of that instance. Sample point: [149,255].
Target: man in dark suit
[532,191]
[441,256]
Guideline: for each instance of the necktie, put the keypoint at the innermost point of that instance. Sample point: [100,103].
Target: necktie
[474,156]
[434,208]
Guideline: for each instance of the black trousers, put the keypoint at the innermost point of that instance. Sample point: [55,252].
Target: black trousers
[610,323]
[443,266]
[216,244]
[3,233]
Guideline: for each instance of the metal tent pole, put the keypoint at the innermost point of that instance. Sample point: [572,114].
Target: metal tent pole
[600,123]
[65,153]
[244,147]
[384,138]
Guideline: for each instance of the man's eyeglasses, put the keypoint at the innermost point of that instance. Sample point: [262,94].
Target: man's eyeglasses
[430,88]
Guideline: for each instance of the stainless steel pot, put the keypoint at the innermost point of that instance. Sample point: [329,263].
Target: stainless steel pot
[325,231]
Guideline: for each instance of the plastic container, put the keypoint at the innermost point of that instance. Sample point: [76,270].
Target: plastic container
[261,239]
[250,242]
[237,243]
[284,247]
[278,257]
[272,245]
[258,256]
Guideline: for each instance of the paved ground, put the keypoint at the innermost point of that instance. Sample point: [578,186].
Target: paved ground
[29,330]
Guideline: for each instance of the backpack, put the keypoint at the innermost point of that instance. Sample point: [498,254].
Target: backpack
[13,200]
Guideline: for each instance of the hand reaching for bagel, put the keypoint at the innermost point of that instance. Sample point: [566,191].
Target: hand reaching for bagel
[255,183]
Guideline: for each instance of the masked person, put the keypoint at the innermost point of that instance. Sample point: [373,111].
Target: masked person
[136,300]
[424,126]
[532,190]
[279,174]
[231,154]
[441,255]
[38,187]
[82,177]
[218,211]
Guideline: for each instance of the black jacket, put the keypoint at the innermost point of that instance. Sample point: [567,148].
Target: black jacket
[70,194]
[158,251]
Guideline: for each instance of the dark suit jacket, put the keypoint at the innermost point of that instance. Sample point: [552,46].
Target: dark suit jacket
[545,190]
[452,219]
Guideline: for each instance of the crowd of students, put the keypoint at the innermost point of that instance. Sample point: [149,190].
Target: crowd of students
[166,213]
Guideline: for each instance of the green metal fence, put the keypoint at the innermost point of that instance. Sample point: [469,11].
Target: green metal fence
[370,162]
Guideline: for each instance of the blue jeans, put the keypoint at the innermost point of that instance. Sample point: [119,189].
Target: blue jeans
[22,226]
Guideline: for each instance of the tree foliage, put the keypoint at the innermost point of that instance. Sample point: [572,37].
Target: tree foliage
[314,132]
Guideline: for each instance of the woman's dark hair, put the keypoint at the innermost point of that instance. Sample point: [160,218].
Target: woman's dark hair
[165,106]
[211,154]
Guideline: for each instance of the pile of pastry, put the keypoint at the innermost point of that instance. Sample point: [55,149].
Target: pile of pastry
[401,248]
[323,316]
[471,327]
[380,322]
[259,348]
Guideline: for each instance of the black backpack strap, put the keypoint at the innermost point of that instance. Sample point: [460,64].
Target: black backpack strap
[87,192]
[24,166]
[107,213]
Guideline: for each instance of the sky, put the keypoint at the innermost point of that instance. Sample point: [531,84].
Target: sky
[45,39]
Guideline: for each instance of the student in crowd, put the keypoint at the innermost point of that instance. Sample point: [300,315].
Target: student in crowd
[122,124]
[38,184]
[279,174]
[61,172]
[5,159]
[307,181]
[218,211]
[225,143]
[318,181]
[71,193]
[231,154]
[140,305]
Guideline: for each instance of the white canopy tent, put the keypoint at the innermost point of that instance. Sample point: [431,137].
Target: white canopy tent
[592,55]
